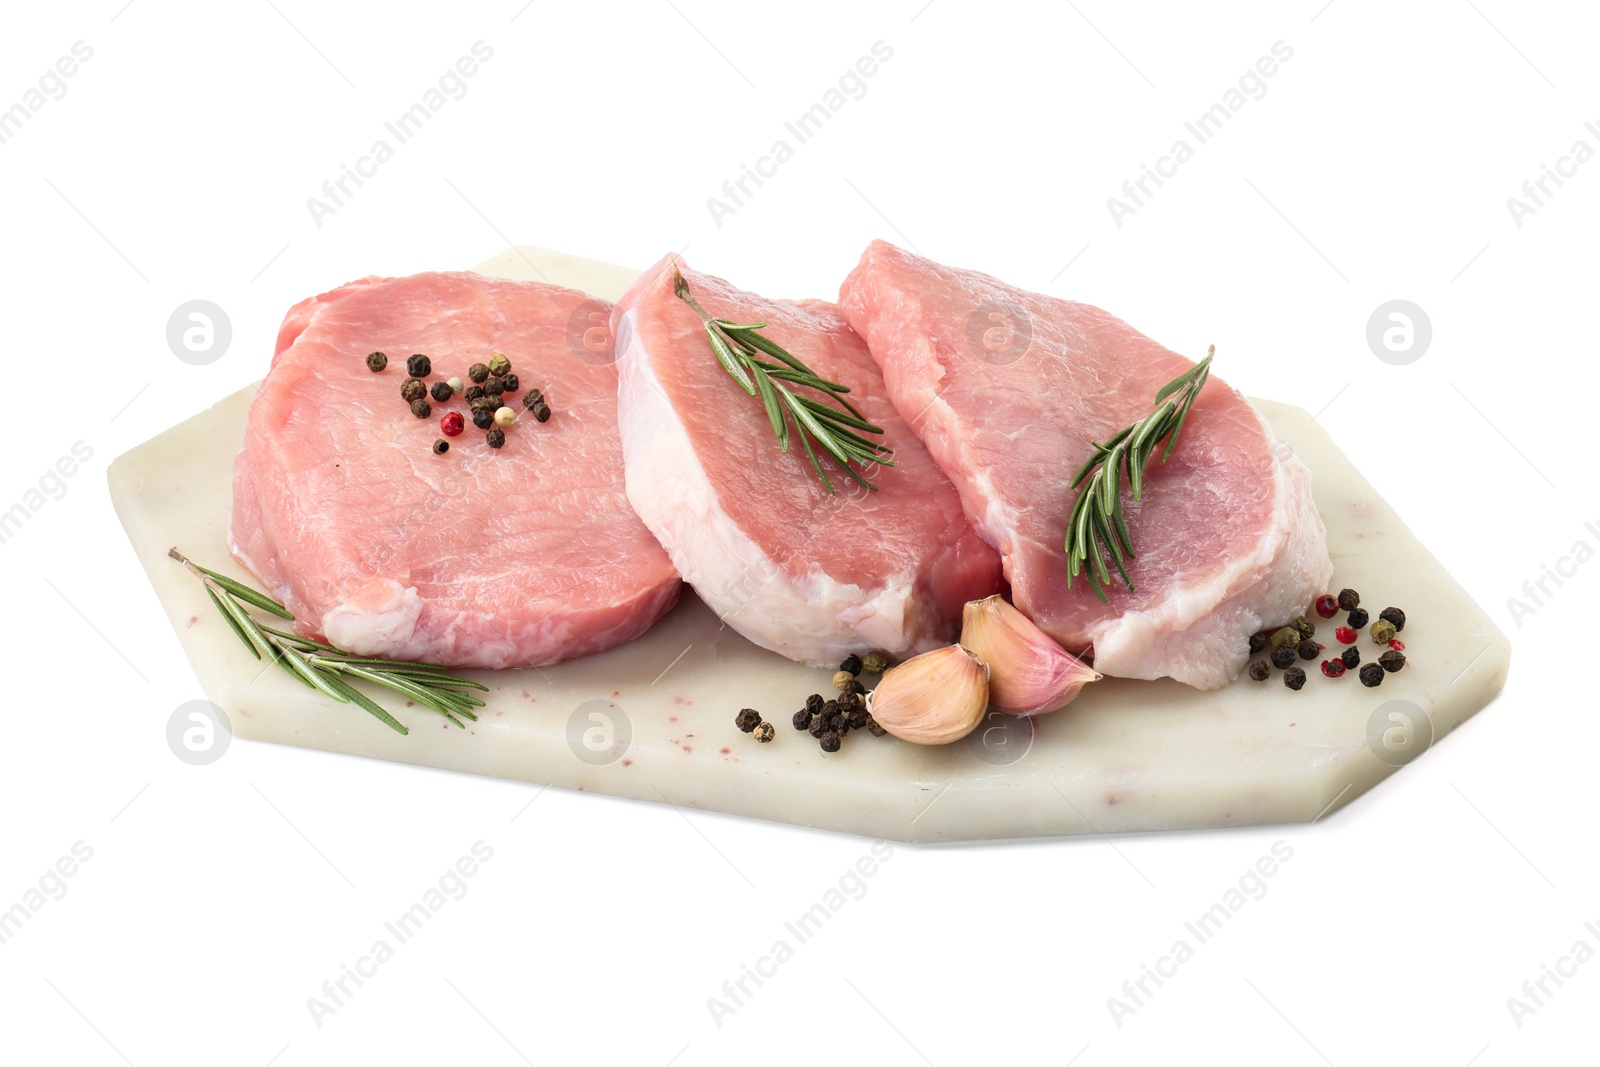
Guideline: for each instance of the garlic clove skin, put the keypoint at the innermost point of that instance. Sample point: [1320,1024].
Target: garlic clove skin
[932,699]
[1029,674]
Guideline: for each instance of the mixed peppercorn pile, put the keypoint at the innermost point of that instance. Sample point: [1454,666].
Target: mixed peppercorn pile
[487,397]
[1297,641]
[828,720]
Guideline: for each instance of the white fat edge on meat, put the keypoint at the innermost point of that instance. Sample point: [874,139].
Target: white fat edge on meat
[812,617]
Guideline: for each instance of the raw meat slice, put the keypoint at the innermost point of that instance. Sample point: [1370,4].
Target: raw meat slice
[1008,388]
[522,556]
[812,576]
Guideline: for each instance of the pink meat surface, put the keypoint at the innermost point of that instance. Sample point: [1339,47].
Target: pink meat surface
[521,556]
[812,576]
[1008,389]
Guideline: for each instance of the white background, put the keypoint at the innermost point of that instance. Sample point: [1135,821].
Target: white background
[1377,166]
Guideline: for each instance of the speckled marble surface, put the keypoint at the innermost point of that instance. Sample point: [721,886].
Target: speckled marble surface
[653,720]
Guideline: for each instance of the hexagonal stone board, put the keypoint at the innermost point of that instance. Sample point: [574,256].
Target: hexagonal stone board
[653,720]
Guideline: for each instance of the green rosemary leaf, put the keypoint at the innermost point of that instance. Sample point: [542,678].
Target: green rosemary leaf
[367,704]
[248,595]
[252,629]
[306,643]
[233,623]
[739,346]
[1096,527]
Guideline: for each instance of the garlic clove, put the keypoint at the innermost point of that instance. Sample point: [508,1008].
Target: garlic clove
[932,699]
[1029,674]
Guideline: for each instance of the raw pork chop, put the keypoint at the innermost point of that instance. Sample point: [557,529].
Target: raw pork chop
[812,576]
[1008,388]
[516,557]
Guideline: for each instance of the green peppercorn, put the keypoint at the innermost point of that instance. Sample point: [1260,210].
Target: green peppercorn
[1306,628]
[747,719]
[483,418]
[441,392]
[1357,619]
[1287,637]
[421,409]
[851,664]
[1392,660]
[440,447]
[764,732]
[1307,649]
[1382,631]
[510,383]
[419,366]
[1371,675]
[1294,678]
[874,663]
[1283,656]
[376,362]
[496,437]
[830,741]
[412,389]
[1349,600]
[1259,670]
[1351,657]
[1395,616]
[478,372]
[802,719]
[499,364]
[1258,643]
[494,387]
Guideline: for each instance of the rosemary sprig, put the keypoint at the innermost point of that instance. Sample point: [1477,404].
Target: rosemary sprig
[740,350]
[1097,529]
[323,667]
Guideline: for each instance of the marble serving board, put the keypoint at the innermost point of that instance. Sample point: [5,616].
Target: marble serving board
[653,720]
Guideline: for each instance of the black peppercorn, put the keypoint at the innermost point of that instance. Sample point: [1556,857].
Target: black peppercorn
[1282,657]
[851,665]
[483,418]
[857,718]
[1358,619]
[841,727]
[494,386]
[496,437]
[441,392]
[1351,657]
[853,686]
[541,411]
[1259,670]
[1371,675]
[532,398]
[1294,677]
[474,392]
[440,447]
[419,366]
[478,372]
[830,741]
[818,725]
[747,719]
[1392,660]
[814,703]
[1258,642]
[484,403]
[1395,616]
[1307,649]
[802,719]
[377,361]
[873,728]
[848,700]
[412,389]
[421,409]
[1349,600]
[509,383]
